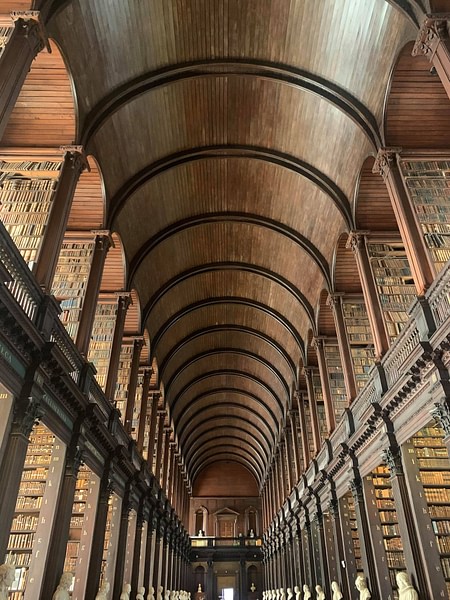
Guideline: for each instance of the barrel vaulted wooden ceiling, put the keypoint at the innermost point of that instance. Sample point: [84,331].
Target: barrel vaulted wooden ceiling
[230,135]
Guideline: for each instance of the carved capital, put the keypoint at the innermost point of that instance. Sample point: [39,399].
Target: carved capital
[333,508]
[77,158]
[433,30]
[356,489]
[441,412]
[393,458]
[26,414]
[333,301]
[28,23]
[355,241]
[385,158]
[103,239]
[317,343]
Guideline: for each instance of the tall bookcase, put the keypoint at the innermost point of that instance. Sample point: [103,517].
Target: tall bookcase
[359,335]
[318,395]
[123,377]
[392,540]
[428,184]
[335,378]
[26,194]
[309,431]
[31,525]
[433,464]
[71,277]
[77,519]
[102,337]
[394,281]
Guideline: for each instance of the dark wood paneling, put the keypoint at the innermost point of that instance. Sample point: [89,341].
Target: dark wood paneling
[225,479]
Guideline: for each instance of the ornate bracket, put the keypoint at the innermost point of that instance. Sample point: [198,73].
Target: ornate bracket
[393,458]
[384,160]
[441,412]
[32,28]
[433,30]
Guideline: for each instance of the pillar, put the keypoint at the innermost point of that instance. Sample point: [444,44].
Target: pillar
[334,302]
[292,416]
[121,546]
[339,545]
[143,414]
[159,445]
[28,38]
[60,532]
[103,242]
[124,302]
[318,344]
[93,578]
[356,241]
[131,394]
[152,433]
[149,553]
[73,165]
[26,412]
[137,551]
[416,250]
[432,42]
[313,409]
[303,432]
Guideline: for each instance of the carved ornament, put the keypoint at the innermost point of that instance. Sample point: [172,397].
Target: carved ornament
[384,160]
[393,459]
[433,30]
[27,414]
[356,489]
[441,412]
[355,241]
[31,27]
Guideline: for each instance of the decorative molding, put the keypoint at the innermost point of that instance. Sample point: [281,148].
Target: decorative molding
[356,489]
[433,29]
[441,412]
[385,158]
[393,458]
[26,415]
[32,28]
[355,241]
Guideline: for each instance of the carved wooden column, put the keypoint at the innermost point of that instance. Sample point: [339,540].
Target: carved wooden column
[159,445]
[283,469]
[143,414]
[335,303]
[318,344]
[418,256]
[313,409]
[149,552]
[322,552]
[356,242]
[425,577]
[292,416]
[27,39]
[134,373]
[121,546]
[26,412]
[289,458]
[276,483]
[152,444]
[341,566]
[165,461]
[137,551]
[433,42]
[304,434]
[123,303]
[300,566]
[73,165]
[95,563]
[103,243]
[60,533]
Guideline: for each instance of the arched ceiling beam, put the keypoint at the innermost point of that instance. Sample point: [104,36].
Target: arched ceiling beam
[225,67]
[235,373]
[222,457]
[228,449]
[224,390]
[229,266]
[254,417]
[234,432]
[270,155]
[195,449]
[233,217]
[240,352]
[187,310]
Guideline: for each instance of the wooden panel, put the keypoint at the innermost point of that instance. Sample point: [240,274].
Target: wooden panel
[346,276]
[373,205]
[225,479]
[88,202]
[418,110]
[44,114]
[114,270]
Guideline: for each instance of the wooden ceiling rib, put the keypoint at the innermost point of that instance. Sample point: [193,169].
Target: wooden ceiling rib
[230,137]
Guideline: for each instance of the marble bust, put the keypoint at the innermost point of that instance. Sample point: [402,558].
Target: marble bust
[405,588]
[298,594]
[320,593]
[103,591]
[6,579]
[337,594]
[290,595]
[361,586]
[126,590]
[306,592]
[140,593]
[151,593]
[62,591]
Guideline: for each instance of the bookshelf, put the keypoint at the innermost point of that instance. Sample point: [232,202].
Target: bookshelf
[392,540]
[36,486]
[111,539]
[77,519]
[433,464]
[102,337]
[351,535]
[309,431]
[318,396]
[394,281]
[123,378]
[335,378]
[71,277]
[428,184]
[26,194]
[360,338]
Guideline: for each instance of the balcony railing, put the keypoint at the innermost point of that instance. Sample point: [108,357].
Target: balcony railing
[215,542]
